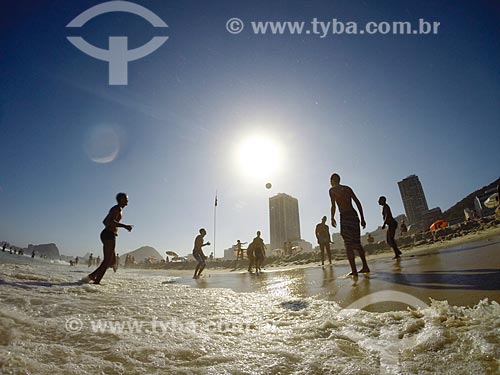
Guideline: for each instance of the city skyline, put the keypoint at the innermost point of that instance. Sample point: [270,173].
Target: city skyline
[215,111]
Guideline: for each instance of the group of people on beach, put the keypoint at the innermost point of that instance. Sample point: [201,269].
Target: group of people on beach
[341,196]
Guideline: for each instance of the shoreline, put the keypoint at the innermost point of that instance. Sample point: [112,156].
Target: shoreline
[485,234]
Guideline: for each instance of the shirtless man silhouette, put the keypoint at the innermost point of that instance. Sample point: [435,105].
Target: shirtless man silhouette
[198,253]
[108,237]
[342,196]
[323,237]
[392,226]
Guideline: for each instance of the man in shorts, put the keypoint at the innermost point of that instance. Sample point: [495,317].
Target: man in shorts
[342,196]
[392,226]
[259,249]
[323,237]
[108,237]
[198,253]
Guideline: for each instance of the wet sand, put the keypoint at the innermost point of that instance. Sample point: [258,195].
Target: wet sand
[463,275]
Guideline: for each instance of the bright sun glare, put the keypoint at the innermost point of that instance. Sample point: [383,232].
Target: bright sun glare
[259,157]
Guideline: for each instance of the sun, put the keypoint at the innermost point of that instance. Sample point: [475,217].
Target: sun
[259,157]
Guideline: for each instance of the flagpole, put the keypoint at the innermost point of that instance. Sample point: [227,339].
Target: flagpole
[215,220]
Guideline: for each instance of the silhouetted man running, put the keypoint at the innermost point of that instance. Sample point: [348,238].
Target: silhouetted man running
[392,226]
[198,253]
[323,237]
[343,196]
[108,237]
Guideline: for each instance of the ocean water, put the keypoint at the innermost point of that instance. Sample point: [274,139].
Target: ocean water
[142,322]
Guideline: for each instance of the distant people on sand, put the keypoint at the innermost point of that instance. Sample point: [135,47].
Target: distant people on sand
[370,239]
[108,237]
[324,239]
[392,225]
[403,228]
[198,253]
[129,260]
[342,196]
[258,252]
[91,260]
[76,261]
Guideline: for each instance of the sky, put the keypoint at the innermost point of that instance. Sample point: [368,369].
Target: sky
[373,108]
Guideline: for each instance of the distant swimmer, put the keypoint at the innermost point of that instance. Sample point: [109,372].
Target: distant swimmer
[198,253]
[343,196]
[324,239]
[91,260]
[259,252]
[108,237]
[392,225]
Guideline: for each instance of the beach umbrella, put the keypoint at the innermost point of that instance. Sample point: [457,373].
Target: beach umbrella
[438,224]
[172,253]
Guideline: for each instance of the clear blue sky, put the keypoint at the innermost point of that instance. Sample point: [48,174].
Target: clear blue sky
[373,108]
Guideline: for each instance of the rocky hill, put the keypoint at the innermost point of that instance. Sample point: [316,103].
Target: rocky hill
[456,213]
[49,250]
[142,253]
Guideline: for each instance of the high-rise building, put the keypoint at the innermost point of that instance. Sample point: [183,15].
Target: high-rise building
[284,220]
[414,200]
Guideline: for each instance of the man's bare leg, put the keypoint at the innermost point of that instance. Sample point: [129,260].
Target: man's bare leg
[322,249]
[202,267]
[329,253]
[196,270]
[352,262]
[361,252]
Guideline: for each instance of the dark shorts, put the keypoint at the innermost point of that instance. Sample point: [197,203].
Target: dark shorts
[199,258]
[324,245]
[107,235]
[350,230]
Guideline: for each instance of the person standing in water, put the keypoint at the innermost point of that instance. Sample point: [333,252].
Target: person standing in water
[392,225]
[259,250]
[239,250]
[198,253]
[343,196]
[251,256]
[108,237]
[323,237]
